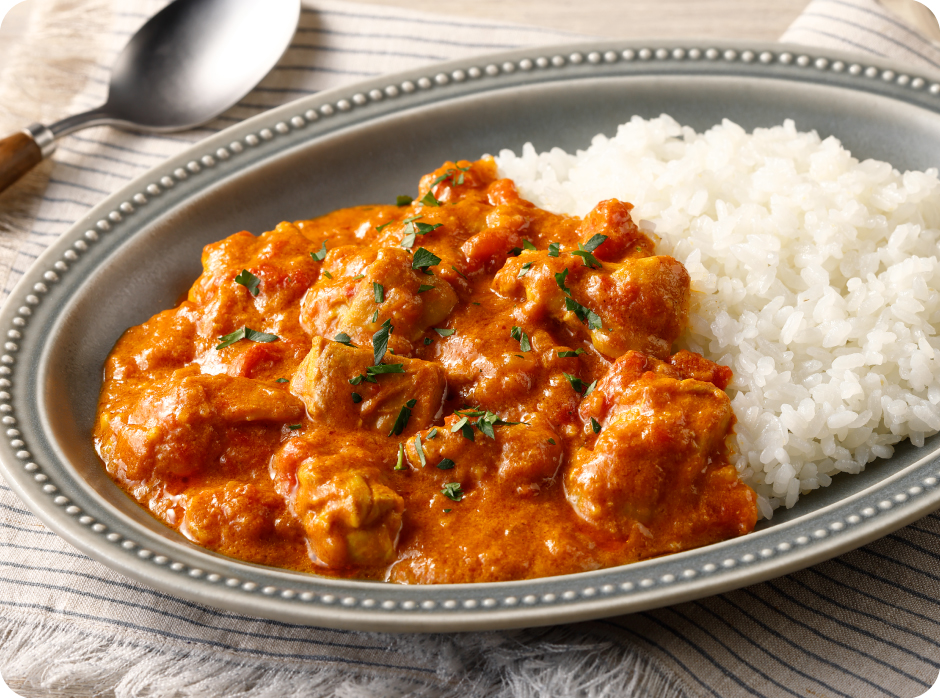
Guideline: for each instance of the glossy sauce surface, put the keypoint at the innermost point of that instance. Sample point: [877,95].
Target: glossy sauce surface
[462,389]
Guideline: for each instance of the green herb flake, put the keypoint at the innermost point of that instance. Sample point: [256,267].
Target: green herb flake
[560,280]
[382,369]
[318,256]
[380,341]
[461,274]
[595,425]
[429,200]
[375,316]
[446,464]
[444,332]
[282,380]
[586,315]
[427,341]
[400,465]
[576,382]
[590,388]
[403,200]
[447,511]
[379,291]
[294,427]
[344,338]
[432,433]
[359,277]
[246,333]
[424,287]
[249,281]
[452,491]
[423,259]
[401,421]
[554,249]
[595,242]
[524,270]
[419,450]
[570,354]
[327,274]
[521,337]
[356,398]
[526,245]
[588,258]
[551,441]
[357,380]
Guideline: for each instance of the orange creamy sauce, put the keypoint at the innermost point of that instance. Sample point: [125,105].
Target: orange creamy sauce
[601,447]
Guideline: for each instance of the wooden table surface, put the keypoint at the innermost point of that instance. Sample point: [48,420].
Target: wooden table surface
[741,19]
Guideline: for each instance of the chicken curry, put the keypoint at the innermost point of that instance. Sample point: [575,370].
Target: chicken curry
[458,388]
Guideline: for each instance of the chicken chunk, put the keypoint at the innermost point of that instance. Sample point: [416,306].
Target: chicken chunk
[656,442]
[349,512]
[178,424]
[640,304]
[389,289]
[521,458]
[323,378]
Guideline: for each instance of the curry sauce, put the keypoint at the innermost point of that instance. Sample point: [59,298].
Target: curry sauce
[461,388]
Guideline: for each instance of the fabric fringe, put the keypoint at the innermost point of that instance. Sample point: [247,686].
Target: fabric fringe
[558,662]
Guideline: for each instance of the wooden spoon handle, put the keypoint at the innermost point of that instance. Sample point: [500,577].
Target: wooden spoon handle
[19,154]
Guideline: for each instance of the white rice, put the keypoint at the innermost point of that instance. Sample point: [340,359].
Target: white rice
[814,278]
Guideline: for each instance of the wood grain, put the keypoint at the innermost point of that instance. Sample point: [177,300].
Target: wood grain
[18,155]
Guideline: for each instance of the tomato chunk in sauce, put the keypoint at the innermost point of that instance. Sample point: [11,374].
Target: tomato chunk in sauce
[463,389]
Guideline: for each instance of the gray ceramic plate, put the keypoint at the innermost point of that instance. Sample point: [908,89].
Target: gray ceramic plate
[136,252]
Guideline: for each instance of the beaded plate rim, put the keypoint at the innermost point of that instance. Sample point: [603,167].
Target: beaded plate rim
[205,577]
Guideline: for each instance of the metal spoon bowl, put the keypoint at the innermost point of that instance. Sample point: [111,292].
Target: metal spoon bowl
[189,63]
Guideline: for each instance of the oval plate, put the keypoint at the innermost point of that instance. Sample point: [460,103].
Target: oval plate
[134,255]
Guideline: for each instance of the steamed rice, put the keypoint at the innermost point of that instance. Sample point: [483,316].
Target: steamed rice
[814,278]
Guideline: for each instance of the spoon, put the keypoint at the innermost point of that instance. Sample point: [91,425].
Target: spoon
[189,63]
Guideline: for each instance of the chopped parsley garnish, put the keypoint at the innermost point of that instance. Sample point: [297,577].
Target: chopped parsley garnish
[590,388]
[452,491]
[592,244]
[576,383]
[460,273]
[455,176]
[444,332]
[379,291]
[359,277]
[432,433]
[357,380]
[521,337]
[356,398]
[423,259]
[463,425]
[294,427]
[526,245]
[524,270]
[403,200]
[424,287]
[429,199]
[584,314]
[401,420]
[569,354]
[560,280]
[383,226]
[554,249]
[246,333]
[419,450]
[595,425]
[447,511]
[344,338]
[413,228]
[375,315]
[446,464]
[249,281]
[427,341]
[384,368]
[380,341]
[282,380]
[318,256]
[551,441]
[400,465]
[327,274]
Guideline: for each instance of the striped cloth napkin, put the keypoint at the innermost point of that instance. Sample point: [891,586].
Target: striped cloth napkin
[864,624]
